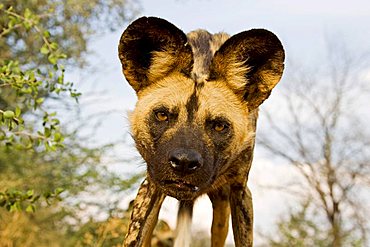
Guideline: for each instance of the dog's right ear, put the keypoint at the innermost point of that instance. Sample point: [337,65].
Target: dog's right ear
[151,48]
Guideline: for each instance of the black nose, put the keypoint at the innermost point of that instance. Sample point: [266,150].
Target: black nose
[185,161]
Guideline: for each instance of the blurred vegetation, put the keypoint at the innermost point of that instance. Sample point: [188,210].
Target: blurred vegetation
[299,228]
[47,169]
[320,128]
[71,23]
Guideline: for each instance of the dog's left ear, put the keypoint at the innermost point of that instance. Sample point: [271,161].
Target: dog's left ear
[252,63]
[150,48]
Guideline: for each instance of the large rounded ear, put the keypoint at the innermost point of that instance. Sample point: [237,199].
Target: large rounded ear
[150,48]
[252,63]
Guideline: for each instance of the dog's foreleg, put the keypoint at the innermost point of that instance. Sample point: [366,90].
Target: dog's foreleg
[183,227]
[144,215]
[242,215]
[221,215]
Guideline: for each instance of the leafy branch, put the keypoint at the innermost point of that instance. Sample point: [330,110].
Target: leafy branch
[29,88]
[15,200]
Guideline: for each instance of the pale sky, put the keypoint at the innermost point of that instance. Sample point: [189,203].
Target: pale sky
[302,27]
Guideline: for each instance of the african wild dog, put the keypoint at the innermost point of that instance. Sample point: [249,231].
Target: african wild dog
[195,120]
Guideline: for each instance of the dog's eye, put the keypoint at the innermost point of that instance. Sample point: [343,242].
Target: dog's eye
[161,116]
[220,126]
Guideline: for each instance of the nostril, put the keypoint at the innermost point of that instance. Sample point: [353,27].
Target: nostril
[174,162]
[185,160]
[193,165]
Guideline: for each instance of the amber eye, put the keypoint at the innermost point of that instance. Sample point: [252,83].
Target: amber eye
[161,116]
[219,127]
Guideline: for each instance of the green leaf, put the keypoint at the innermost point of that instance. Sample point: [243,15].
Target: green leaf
[27,90]
[8,114]
[17,111]
[47,132]
[29,194]
[52,59]
[39,101]
[54,46]
[27,13]
[34,199]
[27,25]
[57,137]
[30,208]
[44,49]
[60,79]
[46,34]
[16,206]
[58,191]
[47,146]
[55,121]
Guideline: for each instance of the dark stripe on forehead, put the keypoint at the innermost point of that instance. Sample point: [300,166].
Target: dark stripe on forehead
[193,102]
[192,105]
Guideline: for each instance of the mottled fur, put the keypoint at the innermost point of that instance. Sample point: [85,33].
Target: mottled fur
[207,88]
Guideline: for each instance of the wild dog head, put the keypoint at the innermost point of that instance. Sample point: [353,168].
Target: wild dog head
[198,96]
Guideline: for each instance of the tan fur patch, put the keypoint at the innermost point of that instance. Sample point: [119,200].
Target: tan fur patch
[217,100]
[161,64]
[172,91]
[235,73]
